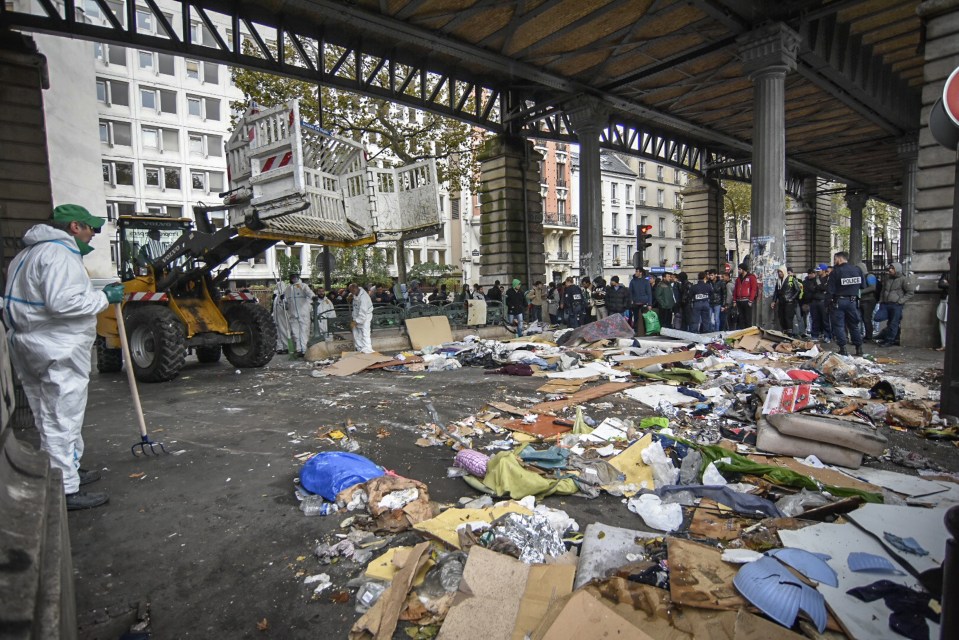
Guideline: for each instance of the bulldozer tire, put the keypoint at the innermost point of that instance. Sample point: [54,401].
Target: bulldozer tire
[208,355]
[108,360]
[157,343]
[259,335]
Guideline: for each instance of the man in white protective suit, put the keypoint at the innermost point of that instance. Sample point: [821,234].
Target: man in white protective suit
[50,309]
[362,319]
[299,297]
[324,310]
[281,317]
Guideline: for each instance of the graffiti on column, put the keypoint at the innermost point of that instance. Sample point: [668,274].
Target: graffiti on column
[765,265]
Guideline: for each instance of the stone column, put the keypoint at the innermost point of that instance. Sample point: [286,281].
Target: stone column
[703,226]
[511,210]
[588,117]
[855,200]
[909,154]
[768,53]
[935,178]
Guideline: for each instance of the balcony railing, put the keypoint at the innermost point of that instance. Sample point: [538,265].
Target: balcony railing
[615,231]
[560,220]
[562,255]
[561,183]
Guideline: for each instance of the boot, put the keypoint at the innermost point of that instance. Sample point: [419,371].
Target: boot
[85,500]
[842,351]
[88,476]
[858,349]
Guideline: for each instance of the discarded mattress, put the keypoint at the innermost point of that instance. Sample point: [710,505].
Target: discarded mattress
[833,441]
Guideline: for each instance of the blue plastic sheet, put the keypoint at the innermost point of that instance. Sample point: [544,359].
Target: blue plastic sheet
[329,472]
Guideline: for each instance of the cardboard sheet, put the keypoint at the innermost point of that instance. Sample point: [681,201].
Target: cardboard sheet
[630,463]
[651,395]
[899,482]
[443,526]
[580,397]
[354,362]
[500,598]
[564,386]
[926,526]
[395,362]
[588,370]
[429,332]
[708,522]
[698,576]
[507,408]
[861,620]
[386,566]
[639,363]
[379,622]
[543,427]
[583,616]
[476,313]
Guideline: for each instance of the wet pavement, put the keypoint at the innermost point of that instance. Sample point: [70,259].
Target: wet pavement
[210,538]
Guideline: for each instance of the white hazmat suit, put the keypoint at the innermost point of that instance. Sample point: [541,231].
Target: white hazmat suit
[324,311]
[363,317]
[299,298]
[50,307]
[281,317]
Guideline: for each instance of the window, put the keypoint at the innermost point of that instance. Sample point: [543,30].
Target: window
[659,172]
[615,254]
[731,229]
[114,251]
[115,133]
[113,92]
[155,209]
[454,208]
[206,108]
[145,59]
[166,64]
[117,173]
[662,227]
[148,98]
[643,221]
[206,181]
[629,252]
[642,195]
[206,145]
[198,180]
[676,176]
[662,255]
[612,193]
[679,255]
[642,171]
[144,21]
[660,198]
[677,201]
[211,75]
[629,223]
[117,208]
[196,144]
[629,194]
[151,137]
[615,223]
[171,140]
[561,208]
[743,229]
[169,177]
[192,69]
[110,53]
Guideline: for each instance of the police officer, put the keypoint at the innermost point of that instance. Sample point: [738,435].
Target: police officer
[842,292]
[701,319]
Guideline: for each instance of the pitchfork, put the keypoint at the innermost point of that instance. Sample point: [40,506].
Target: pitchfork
[131,378]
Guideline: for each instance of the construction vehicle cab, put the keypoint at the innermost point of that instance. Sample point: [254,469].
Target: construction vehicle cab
[173,302]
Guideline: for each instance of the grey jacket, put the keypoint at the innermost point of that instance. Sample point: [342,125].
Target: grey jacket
[896,289]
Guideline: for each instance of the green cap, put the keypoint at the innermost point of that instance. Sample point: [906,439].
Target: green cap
[76,213]
[516,282]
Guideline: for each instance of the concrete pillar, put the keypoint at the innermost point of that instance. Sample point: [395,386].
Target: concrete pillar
[768,53]
[511,210]
[855,200]
[908,149]
[935,178]
[702,225]
[588,117]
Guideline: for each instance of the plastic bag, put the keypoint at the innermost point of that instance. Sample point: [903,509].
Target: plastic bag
[329,472]
[664,473]
[651,320]
[656,515]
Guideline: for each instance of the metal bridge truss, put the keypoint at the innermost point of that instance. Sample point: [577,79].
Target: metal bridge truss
[260,41]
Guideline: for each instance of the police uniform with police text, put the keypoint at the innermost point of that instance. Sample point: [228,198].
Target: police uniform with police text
[701,320]
[845,282]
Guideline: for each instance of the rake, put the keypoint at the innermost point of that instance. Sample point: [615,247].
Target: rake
[145,441]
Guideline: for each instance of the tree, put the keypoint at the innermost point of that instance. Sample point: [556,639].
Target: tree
[364,265]
[737,207]
[399,134]
[287,264]
[879,219]
[430,271]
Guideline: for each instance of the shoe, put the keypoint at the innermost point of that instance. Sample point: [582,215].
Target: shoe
[842,351]
[300,354]
[88,475]
[858,349]
[883,343]
[282,351]
[86,500]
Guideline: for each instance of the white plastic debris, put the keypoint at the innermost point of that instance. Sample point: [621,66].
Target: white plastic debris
[399,499]
[740,556]
[664,472]
[663,517]
[712,477]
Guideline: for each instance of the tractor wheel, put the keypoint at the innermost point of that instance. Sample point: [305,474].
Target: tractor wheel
[108,360]
[157,343]
[208,355]
[259,335]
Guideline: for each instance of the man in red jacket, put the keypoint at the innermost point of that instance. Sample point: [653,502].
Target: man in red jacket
[745,293]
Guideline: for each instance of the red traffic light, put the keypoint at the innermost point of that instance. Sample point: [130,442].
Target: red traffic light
[646,229]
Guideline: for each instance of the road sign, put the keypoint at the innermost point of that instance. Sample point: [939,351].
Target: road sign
[950,96]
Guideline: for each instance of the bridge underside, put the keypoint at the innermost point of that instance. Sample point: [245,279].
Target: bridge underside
[668,73]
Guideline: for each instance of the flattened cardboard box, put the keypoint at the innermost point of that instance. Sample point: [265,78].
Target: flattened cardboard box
[429,332]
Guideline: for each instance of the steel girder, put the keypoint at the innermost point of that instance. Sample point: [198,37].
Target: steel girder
[260,40]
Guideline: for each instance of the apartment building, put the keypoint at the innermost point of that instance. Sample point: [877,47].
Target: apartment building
[560,225]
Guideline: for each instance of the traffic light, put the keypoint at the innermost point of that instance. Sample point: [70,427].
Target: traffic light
[644,236]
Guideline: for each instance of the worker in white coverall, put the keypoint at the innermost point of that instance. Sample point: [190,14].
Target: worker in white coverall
[324,310]
[362,318]
[50,309]
[281,317]
[300,299]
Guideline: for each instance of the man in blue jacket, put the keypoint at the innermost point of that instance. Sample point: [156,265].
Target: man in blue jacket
[641,299]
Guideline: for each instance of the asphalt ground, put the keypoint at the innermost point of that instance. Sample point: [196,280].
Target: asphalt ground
[209,539]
